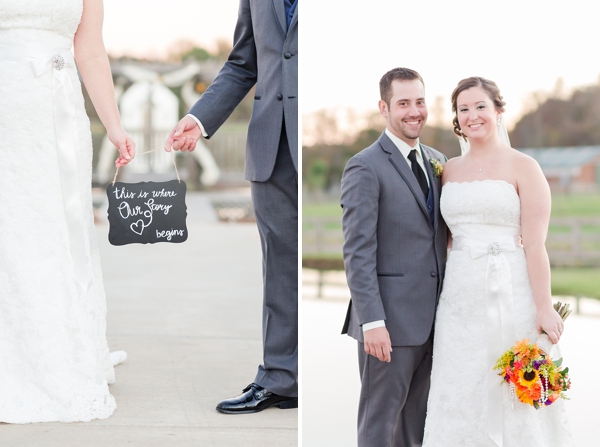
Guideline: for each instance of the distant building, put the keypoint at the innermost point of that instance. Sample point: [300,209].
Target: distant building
[569,169]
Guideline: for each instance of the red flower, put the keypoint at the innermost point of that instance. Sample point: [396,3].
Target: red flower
[518,364]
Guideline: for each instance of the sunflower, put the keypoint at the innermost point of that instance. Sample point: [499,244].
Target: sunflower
[528,386]
[528,378]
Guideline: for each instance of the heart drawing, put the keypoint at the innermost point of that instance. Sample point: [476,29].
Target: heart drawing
[138,227]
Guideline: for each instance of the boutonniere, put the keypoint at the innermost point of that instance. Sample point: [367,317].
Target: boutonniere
[437,167]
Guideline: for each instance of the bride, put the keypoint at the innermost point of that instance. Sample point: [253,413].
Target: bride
[54,358]
[491,194]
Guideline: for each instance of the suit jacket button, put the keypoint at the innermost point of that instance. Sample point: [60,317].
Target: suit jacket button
[279,96]
[287,55]
[433,274]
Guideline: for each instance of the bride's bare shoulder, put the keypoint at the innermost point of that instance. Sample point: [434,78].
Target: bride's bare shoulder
[528,173]
[451,167]
[524,164]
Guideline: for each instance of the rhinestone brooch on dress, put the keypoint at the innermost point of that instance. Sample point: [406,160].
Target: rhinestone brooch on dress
[58,62]
[494,249]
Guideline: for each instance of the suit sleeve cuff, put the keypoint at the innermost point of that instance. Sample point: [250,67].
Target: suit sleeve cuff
[373,325]
[204,133]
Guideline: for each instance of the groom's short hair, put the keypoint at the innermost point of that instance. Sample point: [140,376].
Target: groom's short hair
[400,74]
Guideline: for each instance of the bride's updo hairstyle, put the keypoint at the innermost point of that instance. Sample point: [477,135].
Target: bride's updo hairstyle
[491,89]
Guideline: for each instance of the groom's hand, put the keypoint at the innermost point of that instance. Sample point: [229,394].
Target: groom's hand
[184,136]
[378,343]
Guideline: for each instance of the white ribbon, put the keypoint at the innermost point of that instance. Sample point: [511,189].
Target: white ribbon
[44,59]
[500,315]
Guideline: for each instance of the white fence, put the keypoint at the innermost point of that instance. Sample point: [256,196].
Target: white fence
[571,242]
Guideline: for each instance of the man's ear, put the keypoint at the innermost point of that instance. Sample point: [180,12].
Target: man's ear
[383,108]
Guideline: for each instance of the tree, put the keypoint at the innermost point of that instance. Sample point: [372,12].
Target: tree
[561,119]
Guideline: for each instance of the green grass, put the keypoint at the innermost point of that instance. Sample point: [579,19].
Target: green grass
[576,281]
[580,205]
[330,209]
[565,281]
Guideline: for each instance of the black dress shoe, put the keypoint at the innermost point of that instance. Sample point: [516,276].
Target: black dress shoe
[255,398]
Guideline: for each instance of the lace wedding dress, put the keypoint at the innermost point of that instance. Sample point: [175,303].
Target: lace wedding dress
[54,358]
[473,328]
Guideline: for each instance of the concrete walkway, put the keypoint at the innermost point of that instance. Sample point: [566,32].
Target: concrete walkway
[189,317]
[331,390]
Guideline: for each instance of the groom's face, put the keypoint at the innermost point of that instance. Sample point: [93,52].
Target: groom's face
[406,112]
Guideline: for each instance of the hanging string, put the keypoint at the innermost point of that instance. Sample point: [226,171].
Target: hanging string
[147,152]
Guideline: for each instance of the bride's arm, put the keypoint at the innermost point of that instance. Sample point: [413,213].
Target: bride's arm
[94,67]
[446,175]
[535,216]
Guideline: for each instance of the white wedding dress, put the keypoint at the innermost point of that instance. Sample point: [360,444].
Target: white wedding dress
[54,358]
[459,409]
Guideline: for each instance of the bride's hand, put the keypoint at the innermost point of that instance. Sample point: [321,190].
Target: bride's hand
[125,146]
[550,322]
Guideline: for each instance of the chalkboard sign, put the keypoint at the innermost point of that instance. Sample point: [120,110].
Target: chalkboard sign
[146,212]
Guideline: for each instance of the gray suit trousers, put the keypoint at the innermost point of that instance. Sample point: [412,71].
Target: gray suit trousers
[276,209]
[393,397]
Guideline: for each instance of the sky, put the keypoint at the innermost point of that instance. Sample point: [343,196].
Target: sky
[147,28]
[524,46]
[345,47]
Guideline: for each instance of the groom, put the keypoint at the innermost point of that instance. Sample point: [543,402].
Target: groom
[395,254]
[265,54]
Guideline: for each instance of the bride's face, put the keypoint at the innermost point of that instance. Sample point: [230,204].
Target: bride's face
[477,115]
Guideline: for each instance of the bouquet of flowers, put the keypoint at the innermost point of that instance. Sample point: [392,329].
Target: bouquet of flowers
[533,377]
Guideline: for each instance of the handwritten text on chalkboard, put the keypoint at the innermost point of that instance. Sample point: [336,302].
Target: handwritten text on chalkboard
[147,212]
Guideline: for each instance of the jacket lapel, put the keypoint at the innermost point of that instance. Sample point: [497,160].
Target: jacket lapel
[279,8]
[434,181]
[401,165]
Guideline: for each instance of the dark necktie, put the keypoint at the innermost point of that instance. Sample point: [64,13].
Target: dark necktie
[419,174]
[290,8]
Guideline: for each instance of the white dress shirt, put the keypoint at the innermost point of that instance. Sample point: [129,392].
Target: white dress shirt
[404,149]
[204,133]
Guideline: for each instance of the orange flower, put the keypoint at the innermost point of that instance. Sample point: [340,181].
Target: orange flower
[535,391]
[526,351]
[521,349]
[552,397]
[528,387]
[535,351]
[523,395]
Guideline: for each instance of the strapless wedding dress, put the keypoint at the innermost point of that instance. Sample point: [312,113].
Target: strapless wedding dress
[467,402]
[54,358]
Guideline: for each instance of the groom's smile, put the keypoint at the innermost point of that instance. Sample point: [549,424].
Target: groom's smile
[414,123]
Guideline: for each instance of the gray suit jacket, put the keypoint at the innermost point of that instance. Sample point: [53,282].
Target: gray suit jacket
[265,54]
[394,255]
